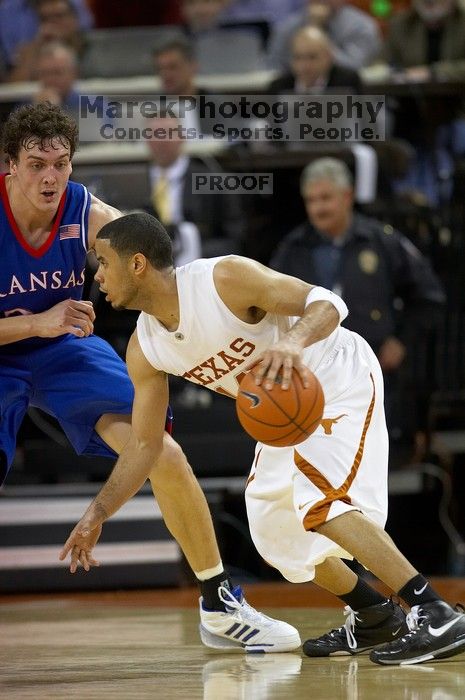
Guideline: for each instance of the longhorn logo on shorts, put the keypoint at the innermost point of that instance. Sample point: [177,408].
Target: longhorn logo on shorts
[253,397]
[327,423]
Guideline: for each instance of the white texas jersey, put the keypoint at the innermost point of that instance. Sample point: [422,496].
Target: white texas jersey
[211,346]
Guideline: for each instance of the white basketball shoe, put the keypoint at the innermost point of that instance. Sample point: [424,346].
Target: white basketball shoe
[244,628]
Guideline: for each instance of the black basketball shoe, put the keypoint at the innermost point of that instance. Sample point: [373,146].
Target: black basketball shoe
[363,629]
[437,631]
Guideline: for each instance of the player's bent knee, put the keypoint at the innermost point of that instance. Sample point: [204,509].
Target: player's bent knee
[172,463]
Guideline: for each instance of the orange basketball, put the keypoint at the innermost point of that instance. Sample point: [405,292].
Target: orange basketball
[279,417]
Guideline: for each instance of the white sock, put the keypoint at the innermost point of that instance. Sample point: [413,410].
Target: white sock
[209,573]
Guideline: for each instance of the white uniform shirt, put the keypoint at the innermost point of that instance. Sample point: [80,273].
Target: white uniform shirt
[211,346]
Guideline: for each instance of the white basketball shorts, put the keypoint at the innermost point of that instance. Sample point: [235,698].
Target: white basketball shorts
[342,466]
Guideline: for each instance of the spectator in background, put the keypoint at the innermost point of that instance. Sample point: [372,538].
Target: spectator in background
[354,34]
[272,11]
[58,21]
[225,44]
[314,70]
[427,43]
[176,65]
[19,24]
[201,15]
[367,263]
[217,217]
[428,40]
[57,72]
[313,67]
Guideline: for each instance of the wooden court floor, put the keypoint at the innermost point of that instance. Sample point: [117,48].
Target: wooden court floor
[120,646]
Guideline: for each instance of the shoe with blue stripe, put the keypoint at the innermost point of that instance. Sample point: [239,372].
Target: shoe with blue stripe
[244,628]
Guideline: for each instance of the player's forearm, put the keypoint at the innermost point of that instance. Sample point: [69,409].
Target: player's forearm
[320,319]
[16,328]
[129,474]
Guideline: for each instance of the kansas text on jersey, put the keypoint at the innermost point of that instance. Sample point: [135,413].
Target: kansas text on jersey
[33,280]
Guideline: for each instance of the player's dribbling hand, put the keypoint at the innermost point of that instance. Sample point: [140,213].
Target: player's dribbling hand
[80,544]
[282,357]
[69,316]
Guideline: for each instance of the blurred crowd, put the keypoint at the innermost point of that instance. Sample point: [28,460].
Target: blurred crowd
[315,46]
[339,227]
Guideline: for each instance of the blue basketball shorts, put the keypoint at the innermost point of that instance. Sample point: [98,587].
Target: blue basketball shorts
[75,380]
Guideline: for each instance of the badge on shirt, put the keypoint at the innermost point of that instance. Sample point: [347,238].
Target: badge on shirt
[368,261]
[69,231]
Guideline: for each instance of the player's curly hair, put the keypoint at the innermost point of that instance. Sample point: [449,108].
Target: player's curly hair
[30,125]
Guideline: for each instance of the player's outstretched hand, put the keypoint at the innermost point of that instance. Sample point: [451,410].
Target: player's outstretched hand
[282,357]
[69,316]
[80,544]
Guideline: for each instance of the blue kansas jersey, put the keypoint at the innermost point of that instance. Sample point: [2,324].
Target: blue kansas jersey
[75,380]
[35,279]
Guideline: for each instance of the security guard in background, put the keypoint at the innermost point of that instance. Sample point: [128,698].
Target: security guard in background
[390,288]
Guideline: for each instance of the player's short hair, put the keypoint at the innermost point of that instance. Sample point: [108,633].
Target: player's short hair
[30,125]
[180,44]
[331,169]
[140,232]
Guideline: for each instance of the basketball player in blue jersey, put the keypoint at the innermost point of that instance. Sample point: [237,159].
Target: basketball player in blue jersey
[309,506]
[49,358]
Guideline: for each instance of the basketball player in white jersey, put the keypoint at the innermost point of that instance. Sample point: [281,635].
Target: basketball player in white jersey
[309,506]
